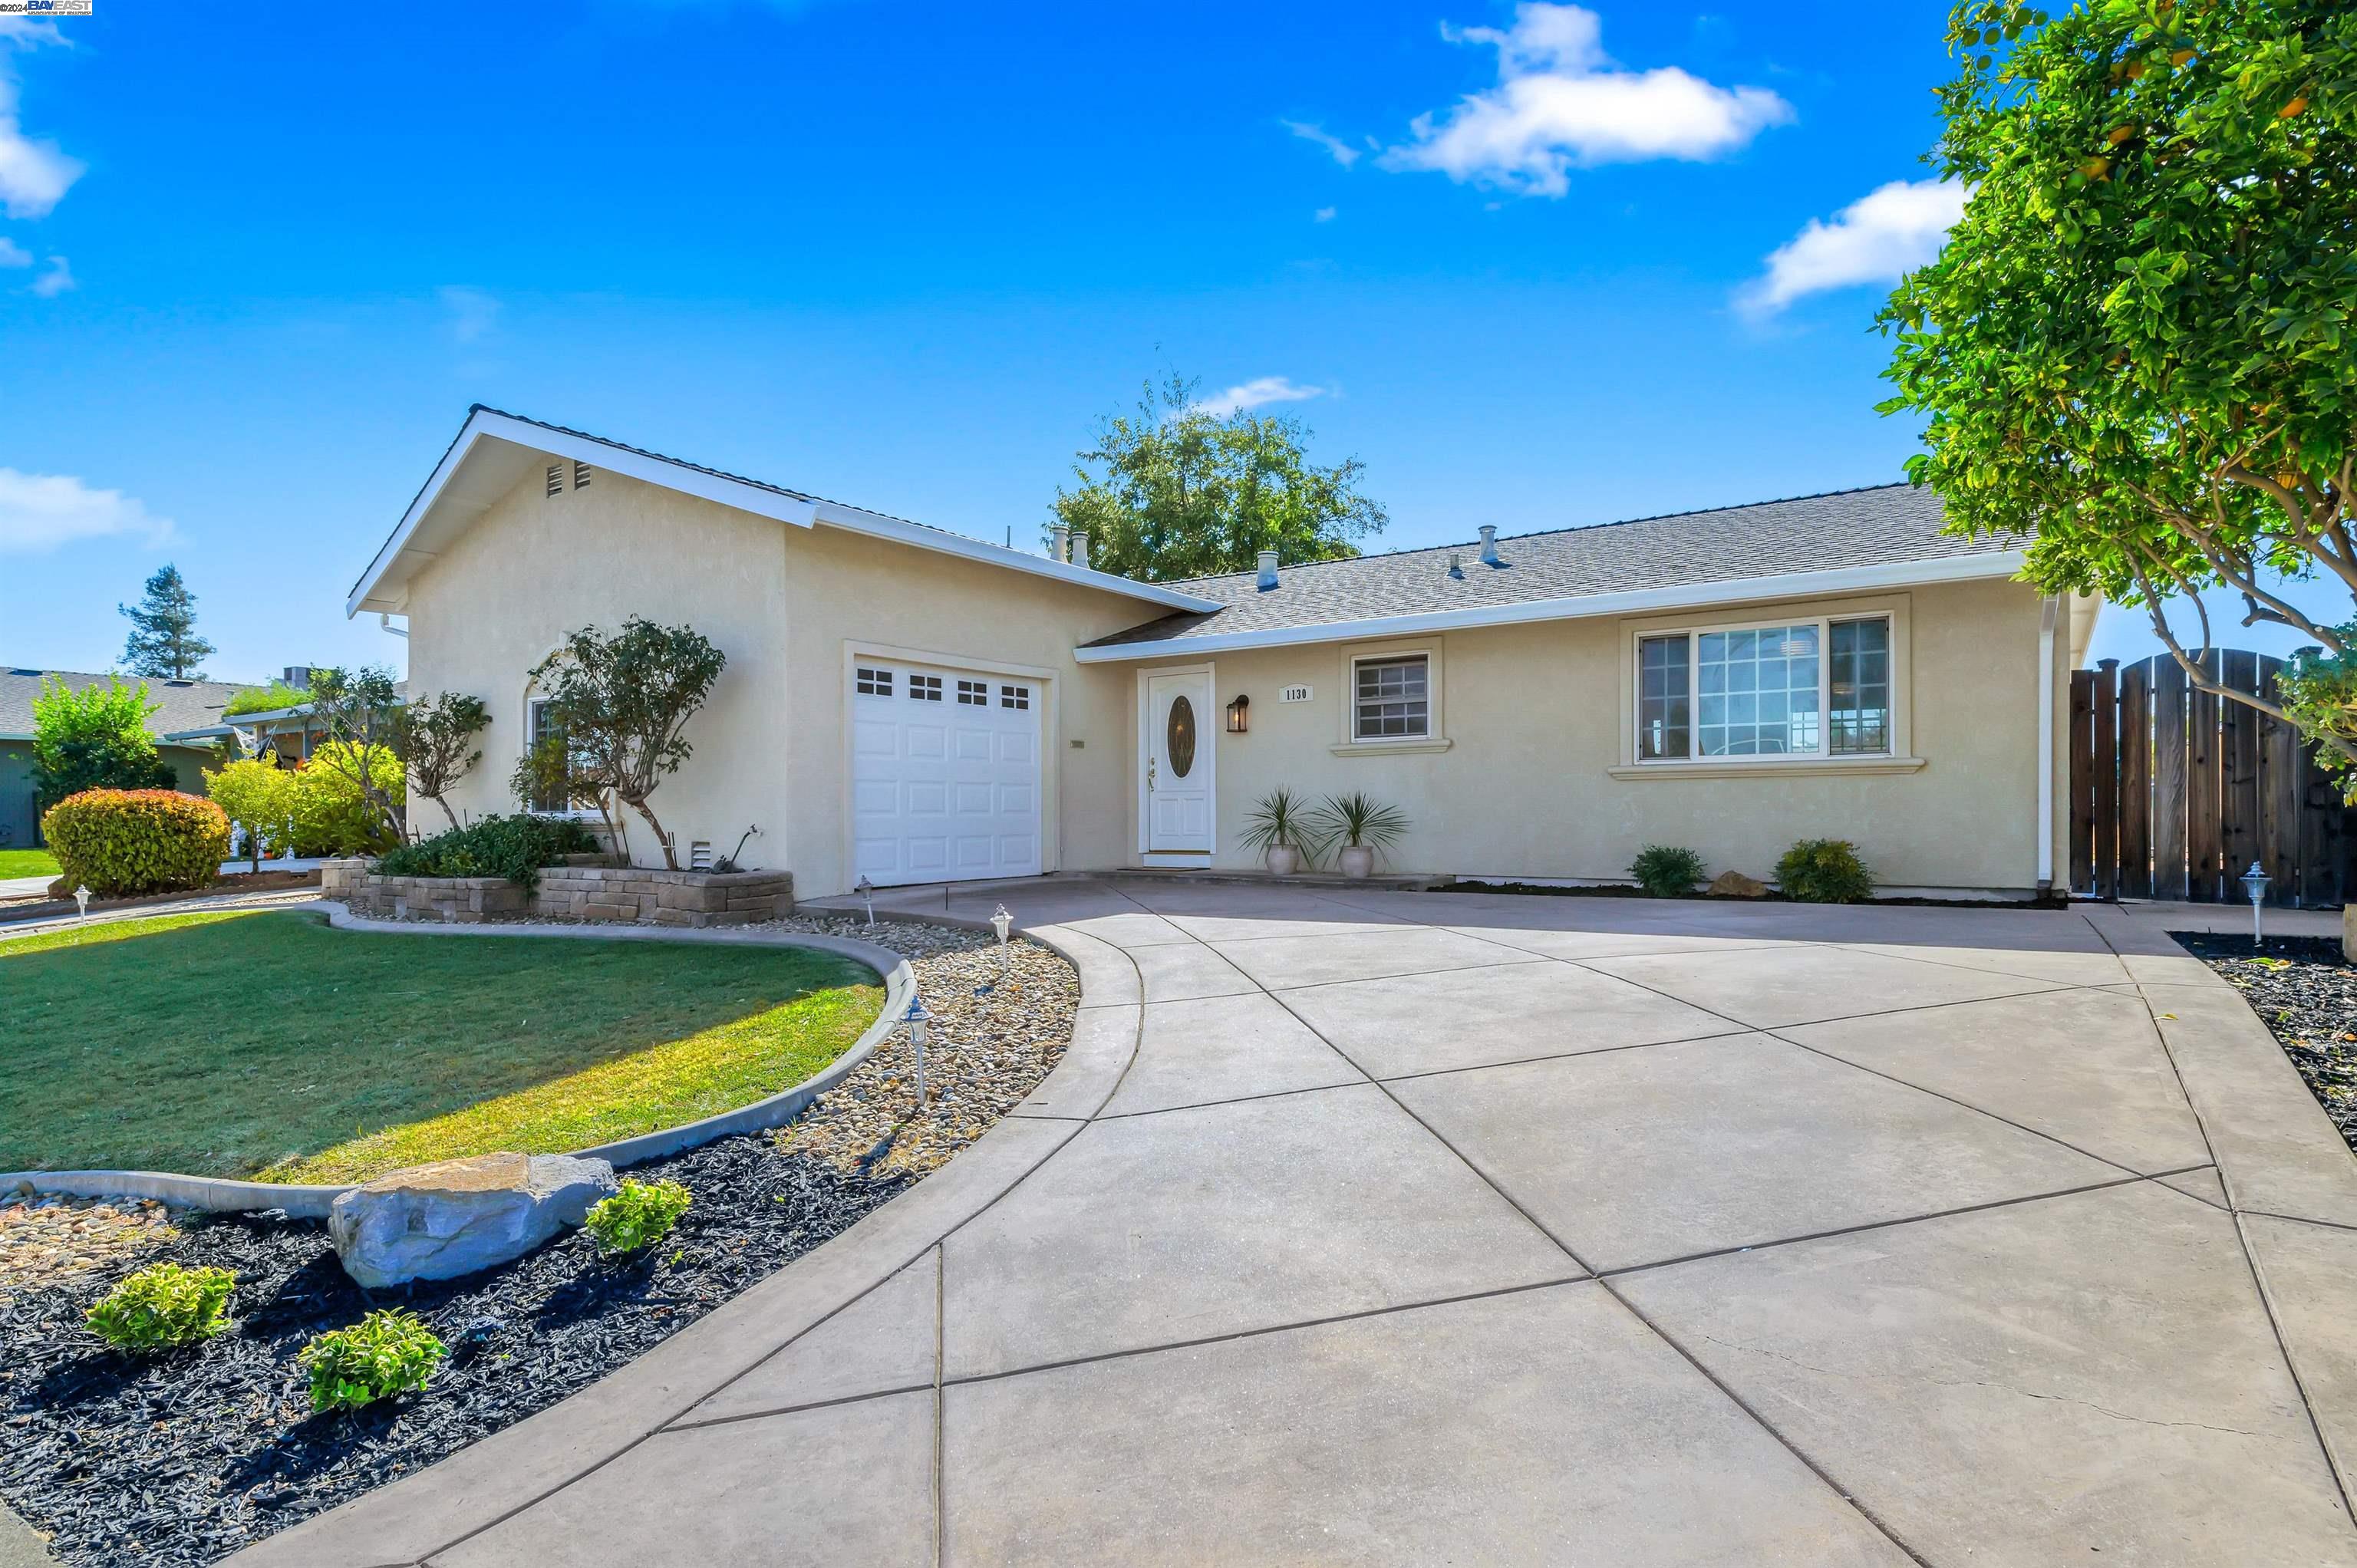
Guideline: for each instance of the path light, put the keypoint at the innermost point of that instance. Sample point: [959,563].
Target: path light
[82,899]
[2254,883]
[1001,921]
[866,891]
[916,1018]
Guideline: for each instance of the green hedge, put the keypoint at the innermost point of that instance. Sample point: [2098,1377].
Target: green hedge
[119,843]
[1824,871]
[514,847]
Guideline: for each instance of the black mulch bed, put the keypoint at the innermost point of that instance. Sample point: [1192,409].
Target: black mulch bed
[187,1458]
[1617,890]
[2306,992]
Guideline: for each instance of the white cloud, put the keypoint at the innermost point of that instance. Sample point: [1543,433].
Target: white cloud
[13,255]
[56,281]
[41,511]
[34,175]
[1255,393]
[1560,103]
[1882,234]
[1323,215]
[1342,152]
[473,311]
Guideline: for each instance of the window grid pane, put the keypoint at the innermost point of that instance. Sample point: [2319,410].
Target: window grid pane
[1393,698]
[1015,696]
[925,688]
[974,693]
[1757,692]
[875,683]
[1664,725]
[1858,715]
[541,728]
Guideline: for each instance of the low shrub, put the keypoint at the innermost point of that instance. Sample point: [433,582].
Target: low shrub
[384,1354]
[515,847]
[641,1212]
[1666,871]
[331,815]
[123,842]
[161,1306]
[1824,871]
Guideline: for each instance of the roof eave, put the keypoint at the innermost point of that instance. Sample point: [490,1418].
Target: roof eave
[1638,601]
[800,511]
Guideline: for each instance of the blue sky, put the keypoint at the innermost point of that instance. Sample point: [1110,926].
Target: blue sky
[254,270]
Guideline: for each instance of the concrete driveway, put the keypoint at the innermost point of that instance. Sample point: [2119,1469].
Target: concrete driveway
[1424,1228]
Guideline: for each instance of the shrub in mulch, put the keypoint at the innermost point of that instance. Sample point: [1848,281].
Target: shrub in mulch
[2305,993]
[184,1457]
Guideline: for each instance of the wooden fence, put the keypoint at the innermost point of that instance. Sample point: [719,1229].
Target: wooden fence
[2176,790]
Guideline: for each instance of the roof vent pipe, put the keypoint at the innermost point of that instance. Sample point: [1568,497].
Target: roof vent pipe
[1060,542]
[1267,570]
[1079,547]
[1490,545]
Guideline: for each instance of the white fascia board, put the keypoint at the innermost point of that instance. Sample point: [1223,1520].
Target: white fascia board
[1639,601]
[801,511]
[901,530]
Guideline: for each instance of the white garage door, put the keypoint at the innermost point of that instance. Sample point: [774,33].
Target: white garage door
[944,774]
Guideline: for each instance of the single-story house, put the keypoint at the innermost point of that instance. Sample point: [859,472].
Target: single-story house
[909,704]
[293,732]
[181,707]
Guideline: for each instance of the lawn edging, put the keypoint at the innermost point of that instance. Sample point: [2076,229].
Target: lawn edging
[224,1195]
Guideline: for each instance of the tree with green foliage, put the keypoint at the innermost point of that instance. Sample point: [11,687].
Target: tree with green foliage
[94,737]
[622,702]
[1173,490]
[2141,339]
[163,640]
[435,739]
[360,711]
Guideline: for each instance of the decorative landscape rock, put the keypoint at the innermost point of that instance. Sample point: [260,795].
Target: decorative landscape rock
[439,1221]
[1735,885]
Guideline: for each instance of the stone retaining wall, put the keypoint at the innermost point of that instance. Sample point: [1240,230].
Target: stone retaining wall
[622,895]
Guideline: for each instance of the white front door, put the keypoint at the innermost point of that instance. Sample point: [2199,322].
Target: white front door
[944,773]
[1178,763]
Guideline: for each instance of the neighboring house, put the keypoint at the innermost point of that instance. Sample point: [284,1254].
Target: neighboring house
[181,706]
[912,705]
[294,733]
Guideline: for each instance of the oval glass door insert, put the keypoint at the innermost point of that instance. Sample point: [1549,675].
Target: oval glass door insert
[1179,737]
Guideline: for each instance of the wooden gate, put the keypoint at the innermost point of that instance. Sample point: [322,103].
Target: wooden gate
[2176,790]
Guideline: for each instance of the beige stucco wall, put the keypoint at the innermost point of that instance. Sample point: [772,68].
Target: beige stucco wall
[1537,717]
[497,600]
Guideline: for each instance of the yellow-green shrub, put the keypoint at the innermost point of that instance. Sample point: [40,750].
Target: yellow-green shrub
[120,842]
[331,817]
[385,1353]
[641,1212]
[259,797]
[161,1306]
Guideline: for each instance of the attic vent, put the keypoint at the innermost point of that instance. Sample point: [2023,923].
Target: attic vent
[24,671]
[580,476]
[699,856]
[556,479]
[179,683]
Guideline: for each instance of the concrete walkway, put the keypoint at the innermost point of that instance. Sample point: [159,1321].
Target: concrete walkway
[1421,1228]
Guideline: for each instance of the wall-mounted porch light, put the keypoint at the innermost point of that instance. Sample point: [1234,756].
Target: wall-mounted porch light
[1240,715]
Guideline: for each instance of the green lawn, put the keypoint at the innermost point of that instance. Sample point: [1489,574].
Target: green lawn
[246,1043]
[27,862]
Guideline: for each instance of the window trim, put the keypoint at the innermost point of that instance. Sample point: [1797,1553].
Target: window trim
[1896,757]
[533,701]
[1347,742]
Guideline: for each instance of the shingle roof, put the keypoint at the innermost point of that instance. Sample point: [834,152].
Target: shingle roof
[1880,525]
[182,704]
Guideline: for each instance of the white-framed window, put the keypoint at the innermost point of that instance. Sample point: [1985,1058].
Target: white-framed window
[875,683]
[974,693]
[1392,698]
[925,688]
[1017,697]
[539,726]
[1813,687]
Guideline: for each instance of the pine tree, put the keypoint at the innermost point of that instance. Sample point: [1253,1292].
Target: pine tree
[163,640]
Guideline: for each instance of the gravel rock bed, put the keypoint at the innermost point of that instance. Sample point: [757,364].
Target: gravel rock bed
[2305,993]
[189,1458]
[46,1241]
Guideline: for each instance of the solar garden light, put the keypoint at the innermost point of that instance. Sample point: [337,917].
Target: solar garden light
[1000,921]
[916,1018]
[81,900]
[2254,882]
[866,891]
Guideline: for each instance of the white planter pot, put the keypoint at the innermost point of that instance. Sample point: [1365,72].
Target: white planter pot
[1284,860]
[1358,860]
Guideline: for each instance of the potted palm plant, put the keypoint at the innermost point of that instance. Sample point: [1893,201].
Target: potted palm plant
[1362,825]
[1279,827]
